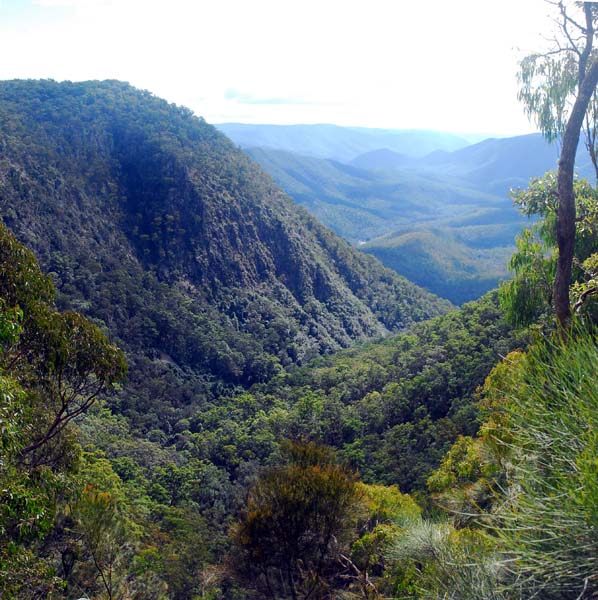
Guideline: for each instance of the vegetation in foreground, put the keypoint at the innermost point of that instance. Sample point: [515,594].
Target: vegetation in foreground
[218,505]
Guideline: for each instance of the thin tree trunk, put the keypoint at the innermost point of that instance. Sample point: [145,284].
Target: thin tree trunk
[565,225]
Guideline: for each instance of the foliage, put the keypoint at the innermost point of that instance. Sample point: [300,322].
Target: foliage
[394,408]
[296,523]
[387,513]
[528,296]
[559,89]
[53,367]
[548,527]
[534,466]
[221,292]
[549,82]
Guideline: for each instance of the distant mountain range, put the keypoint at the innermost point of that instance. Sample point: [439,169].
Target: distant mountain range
[340,143]
[362,204]
[495,165]
[443,219]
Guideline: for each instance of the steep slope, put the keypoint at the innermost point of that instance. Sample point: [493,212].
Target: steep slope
[444,234]
[339,143]
[157,228]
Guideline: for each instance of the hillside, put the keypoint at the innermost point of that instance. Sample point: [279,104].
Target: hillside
[158,229]
[361,204]
[220,290]
[443,220]
[157,511]
[443,233]
[339,143]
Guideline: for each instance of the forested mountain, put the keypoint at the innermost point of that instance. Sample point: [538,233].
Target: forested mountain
[240,457]
[137,501]
[443,220]
[339,143]
[217,287]
[441,232]
[157,227]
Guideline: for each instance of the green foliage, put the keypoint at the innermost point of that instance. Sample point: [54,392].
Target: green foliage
[534,464]
[53,367]
[548,84]
[27,504]
[296,522]
[394,408]
[221,292]
[386,504]
[548,527]
[550,81]
[460,464]
[527,298]
[582,292]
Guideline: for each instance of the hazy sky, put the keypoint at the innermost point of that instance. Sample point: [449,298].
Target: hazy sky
[447,65]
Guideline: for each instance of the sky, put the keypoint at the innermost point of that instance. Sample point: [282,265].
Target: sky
[441,65]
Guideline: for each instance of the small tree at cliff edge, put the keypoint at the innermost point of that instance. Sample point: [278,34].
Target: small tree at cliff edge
[558,89]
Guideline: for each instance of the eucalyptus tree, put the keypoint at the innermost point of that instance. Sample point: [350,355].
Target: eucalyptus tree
[558,89]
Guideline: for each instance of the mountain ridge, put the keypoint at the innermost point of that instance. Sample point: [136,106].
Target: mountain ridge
[156,227]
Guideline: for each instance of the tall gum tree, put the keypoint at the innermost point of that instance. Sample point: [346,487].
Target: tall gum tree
[558,89]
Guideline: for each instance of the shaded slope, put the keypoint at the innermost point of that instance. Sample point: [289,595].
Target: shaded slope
[156,227]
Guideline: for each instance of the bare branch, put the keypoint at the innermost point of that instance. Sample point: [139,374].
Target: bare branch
[583,297]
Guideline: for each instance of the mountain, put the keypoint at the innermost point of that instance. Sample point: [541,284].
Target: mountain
[458,263]
[158,229]
[383,159]
[443,220]
[361,204]
[443,233]
[339,143]
[494,165]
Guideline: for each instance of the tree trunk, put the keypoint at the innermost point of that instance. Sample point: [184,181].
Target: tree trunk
[565,224]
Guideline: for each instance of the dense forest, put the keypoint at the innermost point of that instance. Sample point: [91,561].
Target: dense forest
[206,394]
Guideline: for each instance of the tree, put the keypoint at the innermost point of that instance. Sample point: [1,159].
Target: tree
[296,520]
[53,365]
[557,89]
[529,295]
[63,361]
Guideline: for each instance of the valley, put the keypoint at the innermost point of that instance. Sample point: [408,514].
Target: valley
[209,394]
[432,207]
